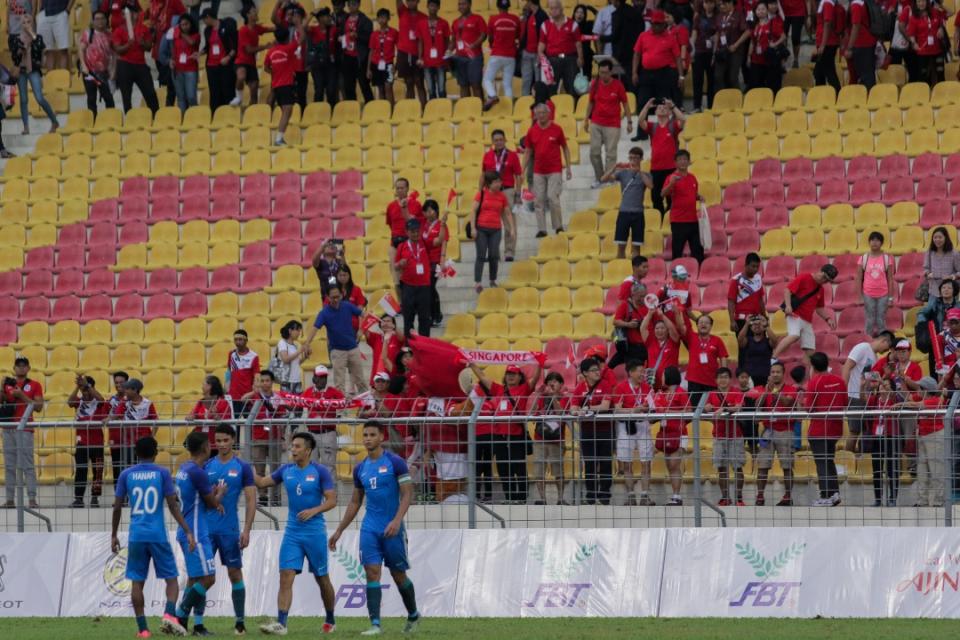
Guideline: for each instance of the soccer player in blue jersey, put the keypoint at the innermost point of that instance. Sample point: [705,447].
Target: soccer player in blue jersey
[196,497]
[384,480]
[228,540]
[311,491]
[145,484]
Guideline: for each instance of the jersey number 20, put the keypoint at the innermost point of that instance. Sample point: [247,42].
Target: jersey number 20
[145,500]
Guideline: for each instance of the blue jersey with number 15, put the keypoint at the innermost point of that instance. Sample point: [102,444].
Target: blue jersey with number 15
[380,480]
[192,486]
[147,485]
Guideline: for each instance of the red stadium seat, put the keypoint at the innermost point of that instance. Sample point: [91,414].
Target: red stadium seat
[559,351]
[742,218]
[893,166]
[798,193]
[849,341]
[38,258]
[72,234]
[165,209]
[349,180]
[866,189]
[104,234]
[909,266]
[161,305]
[104,211]
[192,305]
[936,213]
[288,182]
[587,343]
[225,278]
[135,207]
[8,331]
[287,204]
[98,307]
[256,253]
[66,308]
[737,194]
[225,207]
[894,318]
[255,278]
[72,256]
[713,271]
[320,229]
[346,203]
[898,190]
[656,271]
[811,263]
[165,187]
[830,168]
[11,283]
[138,185]
[926,165]
[775,296]
[743,241]
[773,216]
[861,167]
[129,306]
[349,227]
[951,168]
[255,184]
[610,301]
[99,281]
[161,281]
[714,298]
[69,282]
[954,194]
[35,309]
[829,344]
[192,280]
[846,295]
[9,308]
[906,298]
[931,189]
[287,253]
[850,320]
[195,187]
[226,185]
[286,231]
[38,282]
[765,169]
[256,205]
[797,169]
[780,269]
[834,191]
[322,181]
[195,208]
[101,255]
[133,233]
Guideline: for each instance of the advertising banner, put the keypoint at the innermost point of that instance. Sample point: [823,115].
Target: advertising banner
[31,573]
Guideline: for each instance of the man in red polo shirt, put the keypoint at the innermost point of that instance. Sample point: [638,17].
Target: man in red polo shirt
[433,43]
[707,354]
[20,391]
[412,263]
[326,434]
[664,133]
[469,32]
[608,99]
[506,163]
[655,62]
[504,31]
[132,66]
[825,392]
[281,62]
[411,21]
[801,299]
[560,42]
[745,296]
[545,140]
[684,192]
[777,435]
[861,46]
[403,208]
[91,410]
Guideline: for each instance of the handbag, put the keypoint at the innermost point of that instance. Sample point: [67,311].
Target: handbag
[921,336]
[706,233]
[922,294]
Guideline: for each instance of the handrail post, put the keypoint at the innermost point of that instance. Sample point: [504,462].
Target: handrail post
[472,466]
[697,487]
[20,477]
[948,465]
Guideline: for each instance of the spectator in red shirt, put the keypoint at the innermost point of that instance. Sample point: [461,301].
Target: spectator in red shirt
[326,433]
[591,398]
[435,235]
[355,47]
[503,29]
[243,365]
[801,299]
[531,20]
[656,61]
[633,436]
[543,143]
[383,51]
[745,296]
[322,57]
[185,65]
[707,354]
[608,98]
[281,62]
[469,33]
[729,454]
[132,68]
[683,189]
[248,46]
[22,392]
[352,292]
[446,445]
[861,47]
[548,435]
[664,133]
[434,42]
[777,435]
[212,407]
[627,319]
[220,45]
[267,439]
[663,343]
[411,21]
[766,66]
[825,392]
[640,266]
[490,210]
[413,268]
[403,208]
[560,43]
[506,163]
[91,410]
[831,29]
[795,18]
[925,30]
[733,33]
[673,432]
[96,60]
[131,411]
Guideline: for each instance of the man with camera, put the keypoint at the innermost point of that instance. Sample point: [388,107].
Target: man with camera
[92,410]
[19,392]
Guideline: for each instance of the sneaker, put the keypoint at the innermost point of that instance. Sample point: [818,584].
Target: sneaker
[490,102]
[328,628]
[478,287]
[596,184]
[236,101]
[411,625]
[538,503]
[77,503]
[741,503]
[834,500]
[144,634]
[645,501]
[280,142]
[723,502]
[822,502]
[631,501]
[508,259]
[200,630]
[6,154]
[760,500]
[9,505]
[435,323]
[171,626]
[892,502]
[239,629]
[375,630]
[273,629]
[559,230]
[493,284]
[94,502]
[785,501]
[541,234]
[675,501]
[876,503]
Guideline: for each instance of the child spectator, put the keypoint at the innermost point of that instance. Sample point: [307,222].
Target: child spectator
[875,282]
[383,53]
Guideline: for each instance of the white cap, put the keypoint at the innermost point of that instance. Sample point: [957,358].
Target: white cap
[680,272]
[320,370]
[381,375]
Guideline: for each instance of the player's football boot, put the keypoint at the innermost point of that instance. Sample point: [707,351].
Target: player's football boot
[144,634]
[273,629]
[200,630]
[411,625]
[171,626]
[328,628]
[239,629]
[375,630]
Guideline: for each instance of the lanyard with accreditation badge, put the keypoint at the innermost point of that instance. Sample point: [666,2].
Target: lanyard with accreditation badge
[416,256]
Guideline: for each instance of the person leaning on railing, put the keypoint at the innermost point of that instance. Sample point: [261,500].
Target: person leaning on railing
[590,398]
[931,442]
[549,435]
[20,391]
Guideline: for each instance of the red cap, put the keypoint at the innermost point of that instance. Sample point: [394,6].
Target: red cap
[600,350]
[658,17]
[512,368]
[953,314]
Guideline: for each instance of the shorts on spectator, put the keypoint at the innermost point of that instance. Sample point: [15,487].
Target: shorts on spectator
[382,77]
[469,70]
[629,223]
[639,443]
[407,68]
[252,75]
[450,466]
[548,454]
[55,30]
[285,95]
[802,329]
[782,443]
[729,452]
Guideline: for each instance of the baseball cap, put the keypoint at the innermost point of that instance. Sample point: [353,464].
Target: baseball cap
[927,383]
[658,17]
[513,369]
[953,314]
[596,351]
[680,272]
[381,376]
[320,370]
[903,344]
[413,223]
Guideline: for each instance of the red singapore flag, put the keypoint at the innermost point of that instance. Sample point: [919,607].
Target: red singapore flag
[437,366]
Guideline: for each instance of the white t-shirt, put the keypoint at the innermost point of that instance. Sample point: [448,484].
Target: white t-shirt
[863,357]
[296,371]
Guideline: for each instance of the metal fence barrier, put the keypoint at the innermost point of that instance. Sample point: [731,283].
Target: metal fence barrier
[573,469]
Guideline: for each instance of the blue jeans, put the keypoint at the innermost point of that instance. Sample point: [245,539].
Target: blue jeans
[36,81]
[185,84]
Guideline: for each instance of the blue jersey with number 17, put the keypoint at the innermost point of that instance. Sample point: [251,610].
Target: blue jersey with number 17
[380,480]
[237,475]
[147,485]
[192,486]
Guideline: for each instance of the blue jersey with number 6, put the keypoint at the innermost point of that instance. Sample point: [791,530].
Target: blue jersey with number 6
[305,488]
[146,485]
[380,480]
[192,486]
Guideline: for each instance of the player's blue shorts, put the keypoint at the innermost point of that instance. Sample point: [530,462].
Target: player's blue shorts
[200,561]
[376,548]
[228,546]
[139,555]
[296,547]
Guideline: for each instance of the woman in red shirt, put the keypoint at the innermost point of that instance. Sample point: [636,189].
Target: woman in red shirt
[925,32]
[663,343]
[248,46]
[489,211]
[766,69]
[672,433]
[186,53]
[435,234]
[385,345]
[213,406]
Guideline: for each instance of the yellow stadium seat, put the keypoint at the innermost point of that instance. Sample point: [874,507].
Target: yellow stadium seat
[380,276]
[491,301]
[64,332]
[807,241]
[220,330]
[227,161]
[917,118]
[34,333]
[226,117]
[63,358]
[462,325]
[586,299]
[902,214]
[107,120]
[590,324]
[286,278]
[523,300]
[698,124]
[851,96]
[197,231]
[908,240]
[732,147]
[315,113]
[524,325]
[615,272]
[882,95]
[192,254]
[945,93]
[787,98]
[164,232]
[95,357]
[822,98]
[285,305]
[557,325]
[78,120]
[586,245]
[760,123]
[345,111]
[158,355]
[891,142]
[553,273]
[552,248]
[757,100]
[951,141]
[196,119]
[135,164]
[729,124]
[555,299]
[854,119]
[126,356]
[137,119]
[825,145]
[76,166]
[347,134]
[841,240]
[130,331]
[159,330]
[586,272]
[859,143]
[887,118]
[764,146]
[134,256]
[792,121]
[727,100]
[704,148]
[522,273]
[895,74]
[196,162]
[406,110]
[493,325]
[923,141]
[223,304]
[776,242]
[806,215]
[838,215]
[869,216]
[157,381]
[96,332]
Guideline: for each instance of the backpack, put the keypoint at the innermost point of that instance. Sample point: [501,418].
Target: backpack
[881,22]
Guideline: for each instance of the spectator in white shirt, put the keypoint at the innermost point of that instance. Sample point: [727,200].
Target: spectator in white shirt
[862,357]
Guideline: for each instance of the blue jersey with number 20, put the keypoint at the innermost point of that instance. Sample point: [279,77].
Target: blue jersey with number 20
[147,485]
[305,488]
[380,480]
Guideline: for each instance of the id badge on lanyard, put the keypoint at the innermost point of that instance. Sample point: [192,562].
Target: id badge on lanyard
[183,58]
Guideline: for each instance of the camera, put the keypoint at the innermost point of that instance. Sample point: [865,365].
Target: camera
[9,382]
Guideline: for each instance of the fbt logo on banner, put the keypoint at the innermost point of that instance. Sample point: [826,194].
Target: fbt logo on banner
[352,595]
[560,591]
[767,592]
